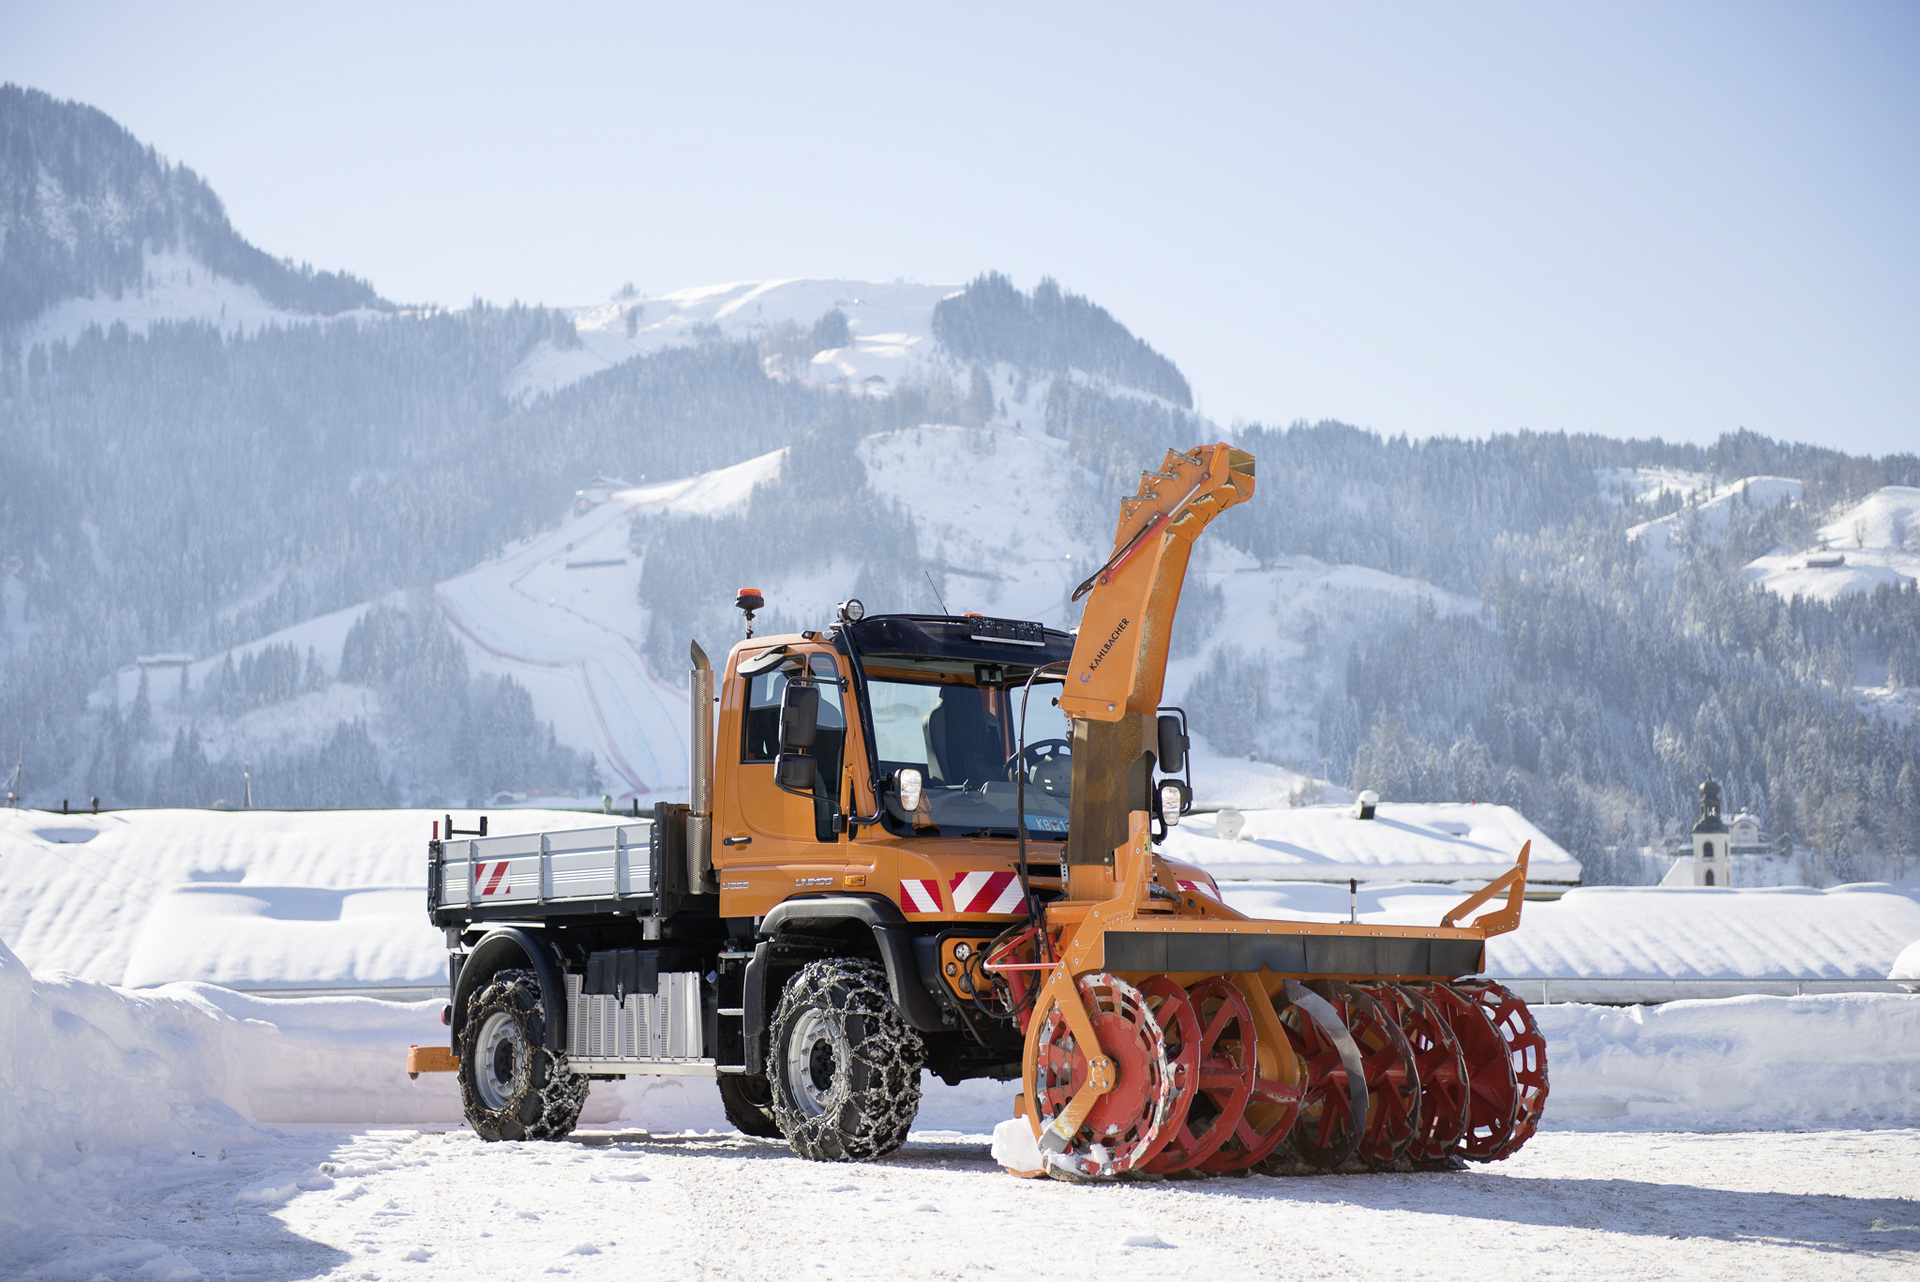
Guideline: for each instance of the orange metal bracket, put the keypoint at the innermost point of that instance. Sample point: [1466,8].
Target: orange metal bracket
[1514,882]
[430,1059]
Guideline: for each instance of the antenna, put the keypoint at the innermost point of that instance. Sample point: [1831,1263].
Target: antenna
[936,594]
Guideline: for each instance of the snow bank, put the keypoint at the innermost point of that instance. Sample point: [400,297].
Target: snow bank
[1738,1063]
[89,1070]
[1906,967]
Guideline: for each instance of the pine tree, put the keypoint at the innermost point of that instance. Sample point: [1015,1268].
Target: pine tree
[140,718]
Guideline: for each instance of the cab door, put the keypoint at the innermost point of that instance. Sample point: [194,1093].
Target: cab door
[771,844]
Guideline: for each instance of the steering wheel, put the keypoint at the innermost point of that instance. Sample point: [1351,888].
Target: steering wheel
[1048,765]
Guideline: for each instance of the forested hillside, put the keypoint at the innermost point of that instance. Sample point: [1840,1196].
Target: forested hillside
[84,206]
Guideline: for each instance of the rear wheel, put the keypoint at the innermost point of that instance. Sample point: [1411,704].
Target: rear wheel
[748,1100]
[843,1065]
[512,1086]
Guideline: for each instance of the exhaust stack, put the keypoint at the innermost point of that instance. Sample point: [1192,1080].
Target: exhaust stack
[700,748]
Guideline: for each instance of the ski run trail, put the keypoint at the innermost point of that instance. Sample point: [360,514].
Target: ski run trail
[624,1204]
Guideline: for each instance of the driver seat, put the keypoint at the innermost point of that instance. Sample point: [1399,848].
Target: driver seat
[964,743]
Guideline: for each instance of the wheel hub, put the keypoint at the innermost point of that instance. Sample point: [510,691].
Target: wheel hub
[501,1064]
[814,1052]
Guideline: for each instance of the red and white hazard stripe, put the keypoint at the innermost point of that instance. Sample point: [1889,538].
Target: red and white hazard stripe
[487,882]
[919,895]
[1206,888]
[985,892]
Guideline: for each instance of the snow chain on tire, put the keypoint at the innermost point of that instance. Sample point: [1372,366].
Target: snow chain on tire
[535,1096]
[843,1064]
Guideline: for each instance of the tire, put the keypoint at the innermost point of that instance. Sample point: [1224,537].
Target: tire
[748,1099]
[512,1086]
[843,1064]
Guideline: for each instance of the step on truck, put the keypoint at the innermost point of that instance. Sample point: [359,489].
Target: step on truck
[928,843]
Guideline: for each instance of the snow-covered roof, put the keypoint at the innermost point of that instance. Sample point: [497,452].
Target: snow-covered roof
[1404,841]
[1635,933]
[253,898]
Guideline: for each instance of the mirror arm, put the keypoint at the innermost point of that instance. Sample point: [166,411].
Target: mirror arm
[844,635]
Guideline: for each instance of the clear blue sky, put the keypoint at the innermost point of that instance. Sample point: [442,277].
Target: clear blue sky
[1637,219]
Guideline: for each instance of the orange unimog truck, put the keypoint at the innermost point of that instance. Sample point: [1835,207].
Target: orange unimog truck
[927,842]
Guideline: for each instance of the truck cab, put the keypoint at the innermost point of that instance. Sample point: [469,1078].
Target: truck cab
[922,730]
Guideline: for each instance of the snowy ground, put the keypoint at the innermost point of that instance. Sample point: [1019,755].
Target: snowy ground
[192,1132]
[412,1204]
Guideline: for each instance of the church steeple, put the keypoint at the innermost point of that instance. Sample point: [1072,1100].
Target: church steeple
[1711,865]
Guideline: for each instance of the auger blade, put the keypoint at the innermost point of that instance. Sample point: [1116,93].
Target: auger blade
[1493,1096]
[1333,1106]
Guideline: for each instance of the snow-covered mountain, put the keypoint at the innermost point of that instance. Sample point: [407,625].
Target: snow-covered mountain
[96,228]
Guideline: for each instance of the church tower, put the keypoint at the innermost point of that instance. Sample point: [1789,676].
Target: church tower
[1712,865]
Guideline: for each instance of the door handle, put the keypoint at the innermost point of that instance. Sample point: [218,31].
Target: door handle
[736,841]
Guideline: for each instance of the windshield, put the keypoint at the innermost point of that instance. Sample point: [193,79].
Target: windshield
[964,741]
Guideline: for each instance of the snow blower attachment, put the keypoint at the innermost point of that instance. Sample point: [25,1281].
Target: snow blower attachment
[1166,1032]
[881,872]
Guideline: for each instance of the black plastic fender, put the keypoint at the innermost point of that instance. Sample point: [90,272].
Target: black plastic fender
[509,948]
[892,937]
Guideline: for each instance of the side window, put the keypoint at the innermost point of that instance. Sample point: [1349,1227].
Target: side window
[761,738]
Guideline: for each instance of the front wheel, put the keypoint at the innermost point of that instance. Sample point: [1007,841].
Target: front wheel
[512,1086]
[843,1064]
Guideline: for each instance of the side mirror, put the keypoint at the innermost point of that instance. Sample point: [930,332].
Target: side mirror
[795,772]
[799,717]
[1173,745]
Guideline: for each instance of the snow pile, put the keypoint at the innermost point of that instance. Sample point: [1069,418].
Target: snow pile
[1749,1063]
[1906,967]
[1404,841]
[85,1069]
